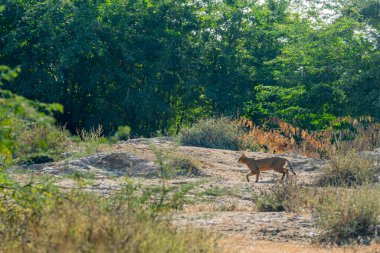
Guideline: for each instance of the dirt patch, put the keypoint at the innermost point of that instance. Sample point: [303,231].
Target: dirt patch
[119,163]
[272,226]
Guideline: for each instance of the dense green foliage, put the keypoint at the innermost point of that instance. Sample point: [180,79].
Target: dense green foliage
[159,65]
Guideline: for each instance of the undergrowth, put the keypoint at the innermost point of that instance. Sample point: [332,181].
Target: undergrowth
[41,218]
[348,168]
[282,196]
[350,215]
[37,143]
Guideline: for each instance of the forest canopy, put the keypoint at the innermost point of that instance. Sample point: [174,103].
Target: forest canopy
[160,65]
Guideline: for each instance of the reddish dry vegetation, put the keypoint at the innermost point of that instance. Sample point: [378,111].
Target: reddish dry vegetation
[362,134]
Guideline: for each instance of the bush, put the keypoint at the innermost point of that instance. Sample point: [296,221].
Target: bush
[39,143]
[89,141]
[268,202]
[122,134]
[221,133]
[184,165]
[171,163]
[286,196]
[347,215]
[348,169]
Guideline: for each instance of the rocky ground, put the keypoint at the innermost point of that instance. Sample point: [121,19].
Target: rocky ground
[222,203]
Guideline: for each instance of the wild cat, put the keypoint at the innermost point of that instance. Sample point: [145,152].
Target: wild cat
[273,163]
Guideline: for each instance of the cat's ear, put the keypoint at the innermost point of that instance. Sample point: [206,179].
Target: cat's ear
[243,154]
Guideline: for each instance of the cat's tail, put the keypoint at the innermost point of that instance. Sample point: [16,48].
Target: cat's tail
[291,168]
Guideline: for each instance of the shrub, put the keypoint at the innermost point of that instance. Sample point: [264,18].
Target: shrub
[347,215]
[39,143]
[348,169]
[89,141]
[275,135]
[283,196]
[268,202]
[221,133]
[122,133]
[184,165]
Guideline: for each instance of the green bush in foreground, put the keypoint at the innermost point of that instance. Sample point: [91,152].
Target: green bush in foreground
[348,169]
[348,215]
[221,133]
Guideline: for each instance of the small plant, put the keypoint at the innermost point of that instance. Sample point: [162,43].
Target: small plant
[122,134]
[347,215]
[268,202]
[164,160]
[348,169]
[79,175]
[89,141]
[221,133]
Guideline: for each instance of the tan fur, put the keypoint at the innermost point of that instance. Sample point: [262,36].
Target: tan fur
[273,163]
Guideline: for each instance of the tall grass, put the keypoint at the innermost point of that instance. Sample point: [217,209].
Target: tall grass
[88,142]
[36,143]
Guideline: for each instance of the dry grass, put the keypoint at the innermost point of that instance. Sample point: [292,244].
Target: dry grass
[80,222]
[184,165]
[350,215]
[224,206]
[41,218]
[348,169]
[34,141]
[287,196]
[90,229]
[245,244]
